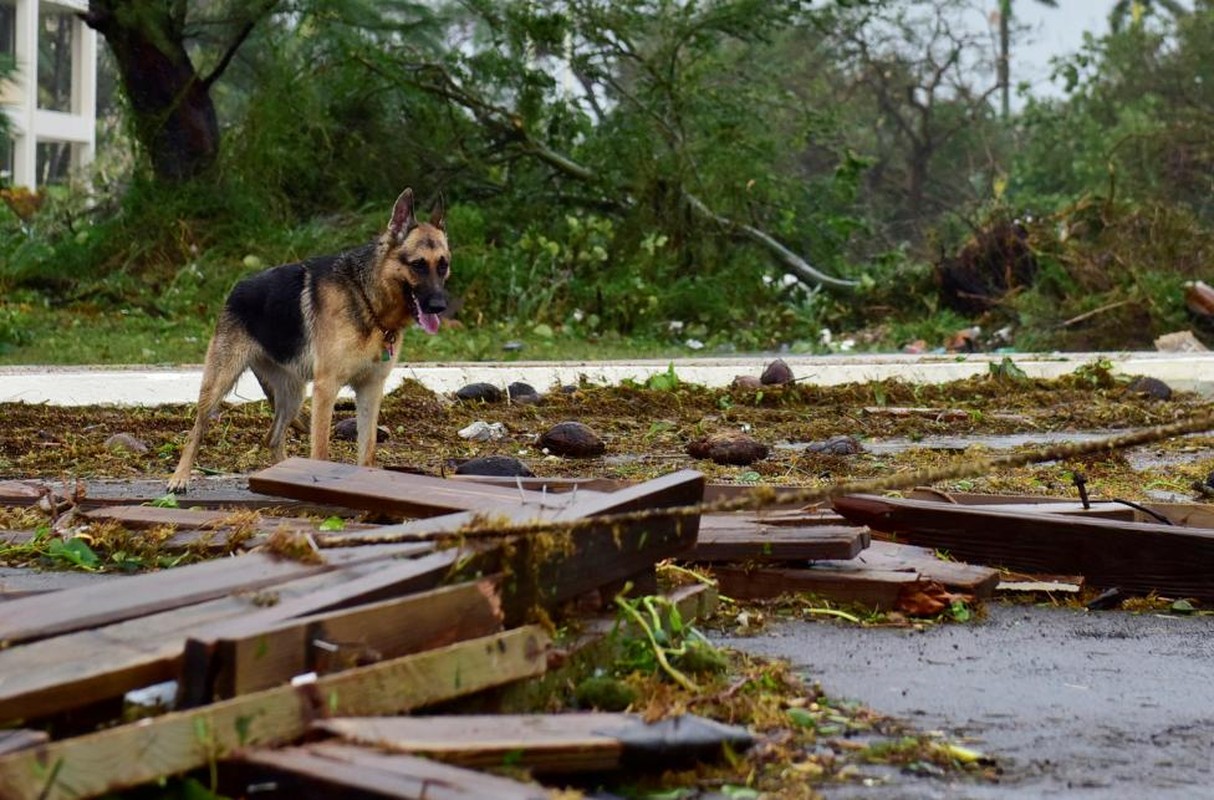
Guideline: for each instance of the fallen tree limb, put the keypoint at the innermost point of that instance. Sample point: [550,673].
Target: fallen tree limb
[791,261]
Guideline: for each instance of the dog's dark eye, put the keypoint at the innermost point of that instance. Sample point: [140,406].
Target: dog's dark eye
[442,266]
[419,265]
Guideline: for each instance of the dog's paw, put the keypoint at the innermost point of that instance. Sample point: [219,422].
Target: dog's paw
[177,485]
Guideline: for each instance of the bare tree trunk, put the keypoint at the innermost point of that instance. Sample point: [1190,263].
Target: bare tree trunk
[174,116]
[1005,46]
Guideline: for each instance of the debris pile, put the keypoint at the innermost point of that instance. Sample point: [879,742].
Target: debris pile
[287,663]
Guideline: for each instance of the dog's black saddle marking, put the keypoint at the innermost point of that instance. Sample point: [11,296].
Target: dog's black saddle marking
[268,306]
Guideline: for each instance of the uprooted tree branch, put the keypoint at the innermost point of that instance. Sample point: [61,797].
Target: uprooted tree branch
[514,133]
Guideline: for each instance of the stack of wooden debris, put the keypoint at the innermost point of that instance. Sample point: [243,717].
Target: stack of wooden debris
[289,673]
[1138,548]
[766,554]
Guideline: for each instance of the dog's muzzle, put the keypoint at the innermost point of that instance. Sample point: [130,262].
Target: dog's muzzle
[427,307]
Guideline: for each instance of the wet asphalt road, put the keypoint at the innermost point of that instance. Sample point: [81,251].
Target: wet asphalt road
[1071,703]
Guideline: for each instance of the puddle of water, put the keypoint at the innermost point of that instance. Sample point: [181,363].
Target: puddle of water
[1139,457]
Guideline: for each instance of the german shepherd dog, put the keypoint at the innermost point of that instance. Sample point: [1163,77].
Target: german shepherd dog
[334,320]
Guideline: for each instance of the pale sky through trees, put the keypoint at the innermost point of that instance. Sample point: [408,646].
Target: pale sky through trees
[1052,32]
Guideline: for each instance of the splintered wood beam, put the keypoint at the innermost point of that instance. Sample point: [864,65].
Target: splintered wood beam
[613,552]
[91,606]
[1197,515]
[548,743]
[746,539]
[956,576]
[195,527]
[13,740]
[875,578]
[129,755]
[328,770]
[102,604]
[682,488]
[70,671]
[548,569]
[338,640]
[1139,557]
[398,493]
[202,664]
[877,589]
[23,493]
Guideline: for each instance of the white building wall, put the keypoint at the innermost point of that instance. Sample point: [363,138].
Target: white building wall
[32,125]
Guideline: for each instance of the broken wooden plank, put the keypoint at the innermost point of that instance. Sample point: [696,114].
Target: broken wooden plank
[681,488]
[390,580]
[1100,509]
[549,743]
[73,670]
[1041,586]
[876,589]
[94,605]
[732,538]
[196,527]
[211,493]
[23,493]
[150,592]
[553,568]
[877,577]
[399,493]
[328,770]
[18,582]
[957,576]
[1135,556]
[336,640]
[610,552]
[174,743]
[13,740]
[1197,515]
[775,496]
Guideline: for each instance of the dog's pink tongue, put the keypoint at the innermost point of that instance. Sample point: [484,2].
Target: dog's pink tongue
[429,322]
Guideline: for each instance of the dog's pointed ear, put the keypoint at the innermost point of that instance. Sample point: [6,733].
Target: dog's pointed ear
[438,214]
[402,220]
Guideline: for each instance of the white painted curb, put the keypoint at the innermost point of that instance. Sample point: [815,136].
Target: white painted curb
[149,386]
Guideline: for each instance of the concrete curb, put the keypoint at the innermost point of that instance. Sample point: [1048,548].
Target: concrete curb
[149,386]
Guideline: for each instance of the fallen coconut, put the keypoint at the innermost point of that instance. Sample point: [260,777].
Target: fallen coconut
[522,393]
[497,466]
[729,448]
[572,440]
[483,392]
[1153,388]
[777,373]
[347,431]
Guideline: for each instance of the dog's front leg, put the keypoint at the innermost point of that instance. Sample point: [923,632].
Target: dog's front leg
[367,399]
[324,395]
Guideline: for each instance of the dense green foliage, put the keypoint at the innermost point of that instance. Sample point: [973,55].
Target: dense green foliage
[619,172]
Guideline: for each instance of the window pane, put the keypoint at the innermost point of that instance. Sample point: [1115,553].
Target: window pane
[55,61]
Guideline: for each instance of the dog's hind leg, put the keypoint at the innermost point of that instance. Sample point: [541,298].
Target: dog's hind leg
[227,358]
[286,389]
[298,424]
